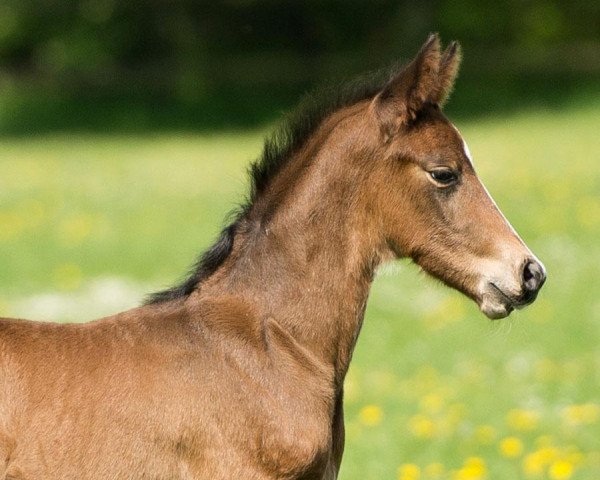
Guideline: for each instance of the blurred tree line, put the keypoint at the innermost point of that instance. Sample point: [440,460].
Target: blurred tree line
[199,63]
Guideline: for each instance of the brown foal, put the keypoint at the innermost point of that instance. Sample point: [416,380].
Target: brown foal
[238,372]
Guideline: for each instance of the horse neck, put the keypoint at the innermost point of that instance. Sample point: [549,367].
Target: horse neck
[306,258]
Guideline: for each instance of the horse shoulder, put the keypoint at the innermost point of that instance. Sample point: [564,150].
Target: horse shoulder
[285,392]
[297,439]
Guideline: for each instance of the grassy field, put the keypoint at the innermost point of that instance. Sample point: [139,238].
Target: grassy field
[89,224]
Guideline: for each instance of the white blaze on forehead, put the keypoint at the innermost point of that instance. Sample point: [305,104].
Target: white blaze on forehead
[467,151]
[465,146]
[468,155]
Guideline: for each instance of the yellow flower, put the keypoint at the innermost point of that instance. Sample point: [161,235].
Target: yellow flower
[432,403]
[473,469]
[536,462]
[511,447]
[575,415]
[533,465]
[522,420]
[548,454]
[421,426]
[561,470]
[370,415]
[409,471]
[485,434]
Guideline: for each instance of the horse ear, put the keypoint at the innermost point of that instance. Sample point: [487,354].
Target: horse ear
[448,71]
[406,93]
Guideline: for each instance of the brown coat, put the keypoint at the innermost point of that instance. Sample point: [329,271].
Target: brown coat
[238,372]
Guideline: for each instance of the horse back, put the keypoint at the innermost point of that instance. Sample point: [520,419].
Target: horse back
[87,387]
[12,387]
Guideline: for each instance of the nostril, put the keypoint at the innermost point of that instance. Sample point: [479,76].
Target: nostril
[533,276]
[527,273]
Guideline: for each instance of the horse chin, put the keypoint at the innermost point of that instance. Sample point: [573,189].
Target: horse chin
[494,309]
[495,304]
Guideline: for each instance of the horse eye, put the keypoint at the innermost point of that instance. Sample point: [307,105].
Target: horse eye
[443,176]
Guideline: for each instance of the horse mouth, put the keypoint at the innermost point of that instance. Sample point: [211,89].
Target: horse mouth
[496,304]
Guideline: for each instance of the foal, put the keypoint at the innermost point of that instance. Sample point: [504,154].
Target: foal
[238,372]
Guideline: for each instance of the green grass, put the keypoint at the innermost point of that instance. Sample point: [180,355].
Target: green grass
[432,381]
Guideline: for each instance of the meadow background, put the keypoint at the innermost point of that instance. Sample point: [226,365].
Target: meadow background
[124,143]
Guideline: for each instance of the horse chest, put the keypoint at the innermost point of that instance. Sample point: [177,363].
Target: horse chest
[295,447]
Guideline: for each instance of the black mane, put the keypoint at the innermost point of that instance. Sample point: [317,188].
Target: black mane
[288,138]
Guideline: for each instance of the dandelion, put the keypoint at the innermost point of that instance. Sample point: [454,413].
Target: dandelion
[432,403]
[575,415]
[522,420]
[370,415]
[548,454]
[536,462]
[474,468]
[421,426]
[561,470]
[409,471]
[511,447]
[533,465]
